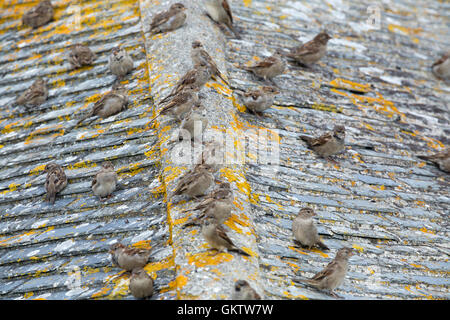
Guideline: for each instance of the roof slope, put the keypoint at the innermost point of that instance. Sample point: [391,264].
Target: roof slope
[380,199]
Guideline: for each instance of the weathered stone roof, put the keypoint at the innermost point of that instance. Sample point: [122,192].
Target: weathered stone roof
[380,199]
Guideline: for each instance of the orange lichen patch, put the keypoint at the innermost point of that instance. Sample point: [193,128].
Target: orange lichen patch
[82,164]
[319,252]
[144,244]
[12,187]
[237,177]
[340,83]
[179,282]
[425,230]
[233,223]
[433,143]
[219,88]
[404,30]
[174,173]
[180,220]
[298,250]
[133,169]
[16,238]
[208,258]
[382,187]
[359,248]
[269,200]
[247,3]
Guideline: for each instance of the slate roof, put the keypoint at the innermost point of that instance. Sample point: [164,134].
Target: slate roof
[380,199]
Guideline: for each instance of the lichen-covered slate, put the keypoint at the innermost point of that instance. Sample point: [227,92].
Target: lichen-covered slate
[379,198]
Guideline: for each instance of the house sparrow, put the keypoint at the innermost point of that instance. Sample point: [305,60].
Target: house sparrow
[332,276]
[110,104]
[35,95]
[104,182]
[441,68]
[80,55]
[220,12]
[304,230]
[328,144]
[258,100]
[120,62]
[243,291]
[128,258]
[196,77]
[269,67]
[217,237]
[195,119]
[169,20]
[195,182]
[38,15]
[181,104]
[55,181]
[199,54]
[141,284]
[442,159]
[311,51]
[217,204]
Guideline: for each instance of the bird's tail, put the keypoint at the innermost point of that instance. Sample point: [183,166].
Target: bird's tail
[322,245]
[240,251]
[306,139]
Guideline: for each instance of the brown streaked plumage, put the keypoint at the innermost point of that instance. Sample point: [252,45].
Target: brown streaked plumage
[39,15]
[327,144]
[55,181]
[35,95]
[81,55]
[169,20]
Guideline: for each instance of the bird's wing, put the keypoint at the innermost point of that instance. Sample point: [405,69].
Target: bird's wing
[227,9]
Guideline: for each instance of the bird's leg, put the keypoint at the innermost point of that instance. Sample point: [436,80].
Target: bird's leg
[335,295]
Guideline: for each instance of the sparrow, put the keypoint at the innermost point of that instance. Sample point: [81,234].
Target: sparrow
[141,284]
[196,77]
[120,62]
[35,95]
[441,68]
[217,204]
[304,230]
[243,291]
[442,159]
[80,55]
[258,100]
[128,258]
[55,181]
[311,51]
[195,182]
[169,20]
[38,15]
[105,181]
[269,67]
[220,12]
[332,276]
[110,104]
[181,103]
[217,237]
[199,54]
[329,143]
[195,123]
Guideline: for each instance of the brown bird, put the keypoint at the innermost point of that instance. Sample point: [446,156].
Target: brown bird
[243,291]
[80,55]
[35,95]
[128,258]
[181,103]
[304,230]
[55,181]
[105,181]
[333,275]
[110,104]
[441,68]
[195,182]
[120,62]
[269,67]
[259,100]
[169,20]
[194,78]
[220,12]
[441,159]
[329,143]
[141,284]
[217,204]
[311,51]
[38,15]
[199,54]
[217,237]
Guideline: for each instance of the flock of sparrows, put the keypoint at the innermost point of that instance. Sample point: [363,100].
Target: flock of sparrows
[183,104]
